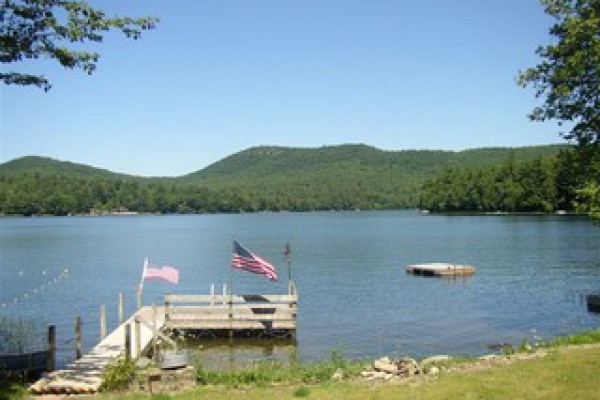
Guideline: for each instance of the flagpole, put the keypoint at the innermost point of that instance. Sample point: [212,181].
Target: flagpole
[231,295]
[287,252]
[141,285]
[231,271]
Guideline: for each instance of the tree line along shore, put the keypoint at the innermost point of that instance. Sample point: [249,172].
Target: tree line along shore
[533,179]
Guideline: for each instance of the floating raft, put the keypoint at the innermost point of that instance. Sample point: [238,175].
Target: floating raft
[440,269]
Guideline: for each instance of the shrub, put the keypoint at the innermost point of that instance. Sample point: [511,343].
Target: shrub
[18,335]
[301,392]
[118,374]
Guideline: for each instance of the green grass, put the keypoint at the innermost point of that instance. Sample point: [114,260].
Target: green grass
[586,337]
[302,391]
[265,373]
[565,373]
[11,389]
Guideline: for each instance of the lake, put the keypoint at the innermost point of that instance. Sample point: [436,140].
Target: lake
[533,273]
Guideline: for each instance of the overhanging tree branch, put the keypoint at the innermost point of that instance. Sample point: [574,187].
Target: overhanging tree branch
[32,29]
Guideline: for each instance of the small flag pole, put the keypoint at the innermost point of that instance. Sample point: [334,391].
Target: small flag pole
[287,253]
[231,294]
[231,271]
[141,285]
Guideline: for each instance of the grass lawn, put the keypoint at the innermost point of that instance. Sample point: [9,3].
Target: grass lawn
[566,373]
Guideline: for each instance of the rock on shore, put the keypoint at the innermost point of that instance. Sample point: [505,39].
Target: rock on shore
[387,369]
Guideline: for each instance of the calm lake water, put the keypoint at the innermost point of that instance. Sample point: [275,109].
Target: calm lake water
[533,273]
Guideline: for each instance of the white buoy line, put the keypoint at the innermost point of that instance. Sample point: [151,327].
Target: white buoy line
[64,273]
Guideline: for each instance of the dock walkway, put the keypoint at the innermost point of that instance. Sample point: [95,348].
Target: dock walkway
[85,375]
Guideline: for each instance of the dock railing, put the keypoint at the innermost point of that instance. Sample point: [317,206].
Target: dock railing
[228,312]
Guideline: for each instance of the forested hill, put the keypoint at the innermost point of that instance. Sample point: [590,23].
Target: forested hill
[260,178]
[45,166]
[266,163]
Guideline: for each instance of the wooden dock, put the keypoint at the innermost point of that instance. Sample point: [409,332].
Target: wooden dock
[212,315]
[233,315]
[440,270]
[85,375]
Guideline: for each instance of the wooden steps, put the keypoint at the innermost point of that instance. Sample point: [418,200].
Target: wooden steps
[84,376]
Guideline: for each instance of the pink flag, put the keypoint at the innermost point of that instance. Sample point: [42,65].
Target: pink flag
[166,273]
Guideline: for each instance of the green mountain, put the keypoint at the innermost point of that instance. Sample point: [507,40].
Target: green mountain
[45,166]
[259,178]
[266,163]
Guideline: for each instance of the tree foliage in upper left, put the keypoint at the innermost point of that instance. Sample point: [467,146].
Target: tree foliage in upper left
[33,29]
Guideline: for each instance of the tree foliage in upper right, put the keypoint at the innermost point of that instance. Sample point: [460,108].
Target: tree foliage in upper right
[568,76]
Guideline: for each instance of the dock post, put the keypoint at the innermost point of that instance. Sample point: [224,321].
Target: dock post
[102,321]
[230,310]
[138,339]
[127,341]
[78,347]
[51,348]
[121,308]
[212,294]
[154,331]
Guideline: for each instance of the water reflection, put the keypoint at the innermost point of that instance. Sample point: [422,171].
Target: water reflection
[226,354]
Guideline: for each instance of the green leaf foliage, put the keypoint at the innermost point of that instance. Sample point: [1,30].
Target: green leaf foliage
[50,29]
[524,186]
[568,76]
[568,80]
[118,374]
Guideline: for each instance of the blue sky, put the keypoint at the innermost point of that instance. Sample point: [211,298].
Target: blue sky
[220,76]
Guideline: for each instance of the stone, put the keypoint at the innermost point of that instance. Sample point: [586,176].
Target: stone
[408,366]
[403,367]
[435,359]
[489,357]
[155,380]
[338,375]
[384,364]
[433,371]
[142,363]
[372,375]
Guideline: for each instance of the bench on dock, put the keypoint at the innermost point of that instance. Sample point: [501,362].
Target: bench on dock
[245,315]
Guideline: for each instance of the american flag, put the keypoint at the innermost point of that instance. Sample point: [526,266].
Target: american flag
[246,260]
[166,273]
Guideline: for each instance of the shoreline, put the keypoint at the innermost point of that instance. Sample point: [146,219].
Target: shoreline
[415,210]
